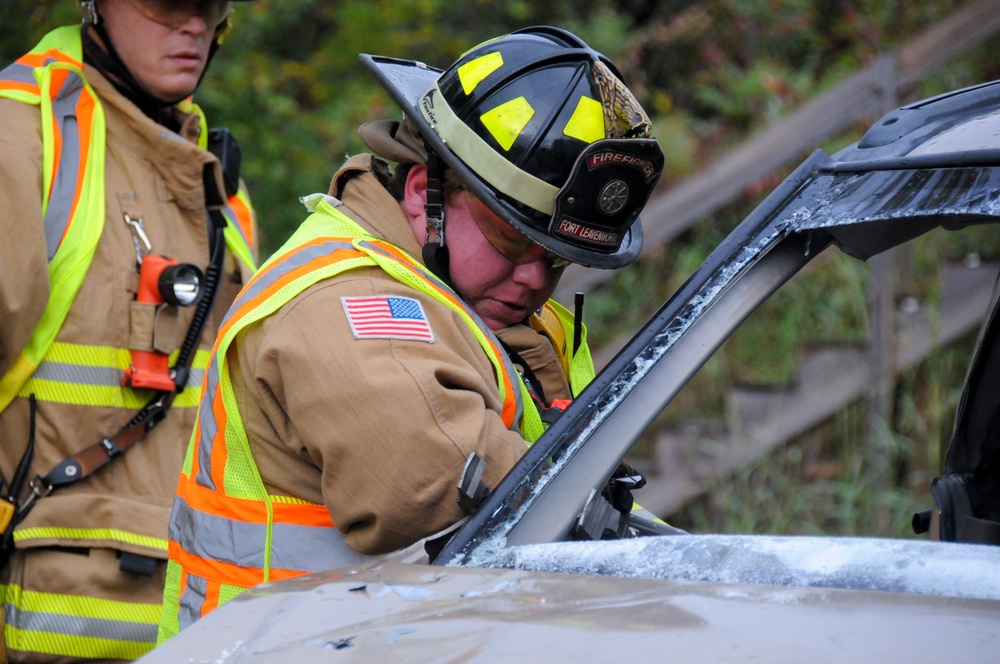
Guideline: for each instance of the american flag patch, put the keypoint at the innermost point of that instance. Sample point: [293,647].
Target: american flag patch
[387,317]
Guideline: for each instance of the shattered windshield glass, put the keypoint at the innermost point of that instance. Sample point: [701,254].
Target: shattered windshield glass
[921,567]
[918,199]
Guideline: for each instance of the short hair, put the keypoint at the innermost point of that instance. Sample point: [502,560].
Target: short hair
[396,184]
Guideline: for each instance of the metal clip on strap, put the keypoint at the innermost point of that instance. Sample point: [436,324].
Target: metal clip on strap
[37,491]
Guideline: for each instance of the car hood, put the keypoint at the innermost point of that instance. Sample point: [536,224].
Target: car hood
[415,613]
[854,563]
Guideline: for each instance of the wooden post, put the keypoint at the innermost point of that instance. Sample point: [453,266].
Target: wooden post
[882,287]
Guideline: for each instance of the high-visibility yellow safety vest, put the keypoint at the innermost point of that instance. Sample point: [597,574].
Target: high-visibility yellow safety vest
[51,77]
[227,533]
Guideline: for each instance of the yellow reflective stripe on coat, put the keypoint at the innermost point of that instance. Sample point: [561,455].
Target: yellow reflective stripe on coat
[86,537]
[73,180]
[75,626]
[92,376]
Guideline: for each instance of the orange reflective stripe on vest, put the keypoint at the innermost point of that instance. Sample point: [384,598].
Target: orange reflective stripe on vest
[238,208]
[231,532]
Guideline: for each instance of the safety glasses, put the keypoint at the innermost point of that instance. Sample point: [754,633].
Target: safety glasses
[175,13]
[510,243]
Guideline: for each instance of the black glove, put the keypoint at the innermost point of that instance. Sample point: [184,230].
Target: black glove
[619,488]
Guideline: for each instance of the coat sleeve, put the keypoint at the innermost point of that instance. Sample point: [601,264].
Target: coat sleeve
[24,277]
[388,422]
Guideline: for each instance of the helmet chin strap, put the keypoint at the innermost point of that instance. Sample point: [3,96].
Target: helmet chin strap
[435,252]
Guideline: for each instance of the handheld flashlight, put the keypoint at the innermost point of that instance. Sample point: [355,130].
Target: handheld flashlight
[161,279]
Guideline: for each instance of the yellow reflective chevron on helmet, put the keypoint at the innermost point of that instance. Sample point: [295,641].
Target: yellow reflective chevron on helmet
[587,123]
[508,120]
[472,73]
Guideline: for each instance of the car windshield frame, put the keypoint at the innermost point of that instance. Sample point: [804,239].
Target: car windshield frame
[864,207]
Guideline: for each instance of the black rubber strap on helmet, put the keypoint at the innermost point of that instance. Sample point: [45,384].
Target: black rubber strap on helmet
[435,250]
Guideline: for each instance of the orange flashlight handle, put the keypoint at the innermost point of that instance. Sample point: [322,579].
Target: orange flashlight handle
[149,276]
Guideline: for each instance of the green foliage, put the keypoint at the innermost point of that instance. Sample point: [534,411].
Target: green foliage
[835,479]
[288,82]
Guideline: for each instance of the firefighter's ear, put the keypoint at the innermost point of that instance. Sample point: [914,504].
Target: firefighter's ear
[414,199]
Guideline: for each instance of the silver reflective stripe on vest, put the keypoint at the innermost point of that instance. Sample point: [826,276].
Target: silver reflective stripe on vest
[192,599]
[293,547]
[208,427]
[57,623]
[18,73]
[63,196]
[310,548]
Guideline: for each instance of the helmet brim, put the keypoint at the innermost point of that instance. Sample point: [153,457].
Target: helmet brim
[407,81]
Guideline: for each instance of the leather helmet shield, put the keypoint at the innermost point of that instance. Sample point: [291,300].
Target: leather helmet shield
[609,185]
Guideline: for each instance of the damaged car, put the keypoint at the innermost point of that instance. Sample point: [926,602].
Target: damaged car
[545,566]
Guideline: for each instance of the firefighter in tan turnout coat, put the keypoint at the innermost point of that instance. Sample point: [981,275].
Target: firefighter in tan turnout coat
[387,340]
[106,181]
